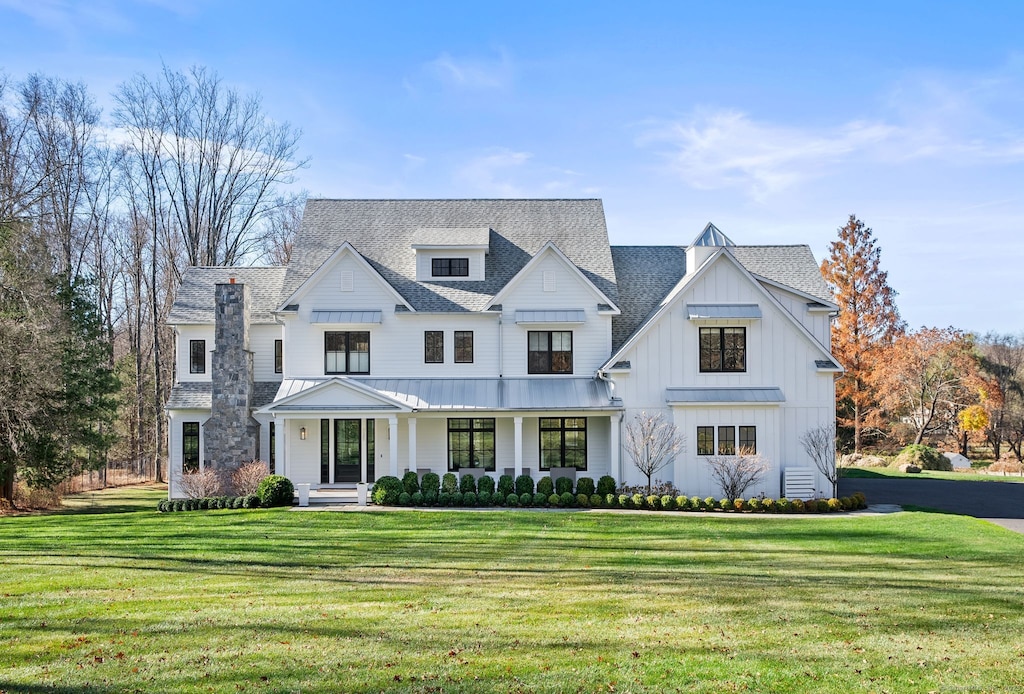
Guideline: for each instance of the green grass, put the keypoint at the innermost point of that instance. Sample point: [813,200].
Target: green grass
[875,472]
[278,600]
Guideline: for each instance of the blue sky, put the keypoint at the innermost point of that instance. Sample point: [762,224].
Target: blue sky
[774,121]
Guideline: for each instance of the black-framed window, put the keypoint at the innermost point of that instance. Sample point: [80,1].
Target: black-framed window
[723,350]
[727,440]
[449,267]
[278,356]
[190,447]
[433,346]
[748,440]
[347,352]
[463,346]
[273,448]
[470,443]
[197,356]
[549,352]
[563,442]
[705,440]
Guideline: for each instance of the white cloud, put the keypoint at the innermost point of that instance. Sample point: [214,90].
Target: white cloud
[490,173]
[472,73]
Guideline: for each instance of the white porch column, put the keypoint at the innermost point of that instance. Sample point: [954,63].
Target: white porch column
[393,445]
[362,448]
[412,444]
[280,440]
[518,438]
[616,448]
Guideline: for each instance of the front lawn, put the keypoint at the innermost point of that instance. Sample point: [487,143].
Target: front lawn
[277,600]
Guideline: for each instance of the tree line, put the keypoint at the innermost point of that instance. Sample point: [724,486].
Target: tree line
[100,214]
[907,386]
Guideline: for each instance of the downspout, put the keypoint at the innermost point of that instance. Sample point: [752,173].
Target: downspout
[501,370]
[602,375]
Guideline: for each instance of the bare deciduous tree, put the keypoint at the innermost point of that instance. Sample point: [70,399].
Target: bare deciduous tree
[246,478]
[202,483]
[820,445]
[282,226]
[736,473]
[652,443]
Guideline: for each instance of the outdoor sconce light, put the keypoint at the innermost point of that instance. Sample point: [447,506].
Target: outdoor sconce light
[302,433]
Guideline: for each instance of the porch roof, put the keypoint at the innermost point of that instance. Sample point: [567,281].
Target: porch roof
[483,394]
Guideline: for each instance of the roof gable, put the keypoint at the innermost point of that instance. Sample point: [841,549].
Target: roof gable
[551,250]
[337,393]
[345,250]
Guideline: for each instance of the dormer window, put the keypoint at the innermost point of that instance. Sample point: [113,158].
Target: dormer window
[449,267]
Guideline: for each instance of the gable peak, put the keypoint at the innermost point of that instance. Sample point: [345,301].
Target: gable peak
[712,236]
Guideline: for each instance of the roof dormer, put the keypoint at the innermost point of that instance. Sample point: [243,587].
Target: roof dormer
[451,254]
[704,246]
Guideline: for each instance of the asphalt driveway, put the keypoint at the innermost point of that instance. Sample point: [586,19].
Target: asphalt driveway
[1002,503]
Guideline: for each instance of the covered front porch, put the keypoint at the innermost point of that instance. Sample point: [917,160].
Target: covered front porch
[339,432]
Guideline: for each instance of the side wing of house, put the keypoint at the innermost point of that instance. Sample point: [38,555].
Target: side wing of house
[734,364]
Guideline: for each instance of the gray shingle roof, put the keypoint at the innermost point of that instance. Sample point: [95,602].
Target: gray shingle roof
[194,302]
[382,231]
[199,395]
[647,273]
[452,236]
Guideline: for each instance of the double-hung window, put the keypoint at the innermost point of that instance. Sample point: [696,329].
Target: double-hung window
[347,352]
[549,352]
[471,443]
[723,350]
[563,442]
[463,346]
[433,346]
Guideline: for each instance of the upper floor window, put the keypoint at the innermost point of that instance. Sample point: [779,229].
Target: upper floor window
[433,346]
[549,352]
[723,349]
[278,356]
[463,346]
[347,352]
[449,267]
[197,356]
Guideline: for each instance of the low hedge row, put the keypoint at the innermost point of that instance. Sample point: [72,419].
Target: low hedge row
[391,491]
[208,503]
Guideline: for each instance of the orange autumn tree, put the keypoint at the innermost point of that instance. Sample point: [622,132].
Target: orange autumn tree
[868,323]
[927,377]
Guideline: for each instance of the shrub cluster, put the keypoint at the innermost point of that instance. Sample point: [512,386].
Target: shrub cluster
[519,493]
[924,457]
[208,503]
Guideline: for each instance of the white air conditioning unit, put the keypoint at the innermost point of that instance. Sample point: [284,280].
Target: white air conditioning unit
[799,483]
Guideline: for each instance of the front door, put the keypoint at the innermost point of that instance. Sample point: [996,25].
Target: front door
[346,450]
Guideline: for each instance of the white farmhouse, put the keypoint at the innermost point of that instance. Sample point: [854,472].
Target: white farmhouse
[496,336]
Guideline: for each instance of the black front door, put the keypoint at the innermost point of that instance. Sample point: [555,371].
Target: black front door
[346,450]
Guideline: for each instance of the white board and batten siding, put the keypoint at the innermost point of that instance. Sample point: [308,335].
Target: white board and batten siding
[551,286]
[778,355]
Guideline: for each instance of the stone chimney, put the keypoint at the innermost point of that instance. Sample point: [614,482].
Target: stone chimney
[231,435]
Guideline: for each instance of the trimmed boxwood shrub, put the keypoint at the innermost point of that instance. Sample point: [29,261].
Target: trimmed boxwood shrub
[430,498]
[467,483]
[768,505]
[563,485]
[554,500]
[430,483]
[754,505]
[457,499]
[524,484]
[449,483]
[238,502]
[668,502]
[611,500]
[469,498]
[444,499]
[596,501]
[485,484]
[483,498]
[585,485]
[582,500]
[639,501]
[387,490]
[405,499]
[540,500]
[797,506]
[834,505]
[411,482]
[682,503]
[709,503]
[606,485]
[526,499]
[417,499]
[276,490]
[545,486]
[626,501]
[506,485]
[653,502]
[512,500]
[724,504]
